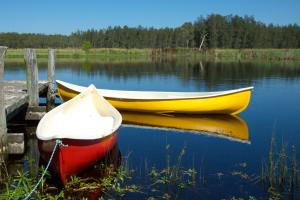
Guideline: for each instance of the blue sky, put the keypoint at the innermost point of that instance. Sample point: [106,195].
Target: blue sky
[66,16]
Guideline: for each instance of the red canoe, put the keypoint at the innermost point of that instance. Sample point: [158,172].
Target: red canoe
[77,155]
[87,127]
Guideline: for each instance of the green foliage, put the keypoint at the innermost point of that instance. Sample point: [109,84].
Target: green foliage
[229,31]
[86,46]
[19,186]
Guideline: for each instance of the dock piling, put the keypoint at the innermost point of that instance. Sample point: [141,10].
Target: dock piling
[32,76]
[34,111]
[51,72]
[3,126]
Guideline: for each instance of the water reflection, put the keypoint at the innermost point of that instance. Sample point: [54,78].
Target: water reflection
[225,126]
[202,75]
[276,84]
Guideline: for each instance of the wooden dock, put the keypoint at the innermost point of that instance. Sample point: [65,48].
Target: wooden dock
[20,96]
[16,97]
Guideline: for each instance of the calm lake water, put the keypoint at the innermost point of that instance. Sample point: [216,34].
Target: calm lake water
[274,108]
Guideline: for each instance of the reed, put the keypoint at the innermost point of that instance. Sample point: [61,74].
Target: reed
[168,168]
[280,173]
[4,176]
[293,182]
[283,169]
[126,165]
[271,164]
[202,174]
[263,176]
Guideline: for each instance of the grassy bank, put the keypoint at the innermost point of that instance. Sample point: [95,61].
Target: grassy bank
[158,54]
[80,54]
[234,54]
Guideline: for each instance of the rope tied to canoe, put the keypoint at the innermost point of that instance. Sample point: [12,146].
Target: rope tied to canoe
[57,143]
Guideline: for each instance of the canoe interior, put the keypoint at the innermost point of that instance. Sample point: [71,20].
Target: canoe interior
[150,95]
[87,113]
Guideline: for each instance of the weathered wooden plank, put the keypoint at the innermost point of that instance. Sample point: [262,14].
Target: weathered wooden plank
[3,126]
[35,113]
[32,76]
[51,72]
[16,97]
[15,143]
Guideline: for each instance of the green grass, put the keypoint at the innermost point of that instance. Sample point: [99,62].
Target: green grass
[79,53]
[231,54]
[159,54]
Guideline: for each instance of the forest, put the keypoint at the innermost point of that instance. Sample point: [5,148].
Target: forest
[212,31]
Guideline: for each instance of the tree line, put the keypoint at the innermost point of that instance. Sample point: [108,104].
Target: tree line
[213,31]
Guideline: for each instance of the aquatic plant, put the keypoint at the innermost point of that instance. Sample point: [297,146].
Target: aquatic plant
[19,186]
[170,182]
[111,182]
[280,173]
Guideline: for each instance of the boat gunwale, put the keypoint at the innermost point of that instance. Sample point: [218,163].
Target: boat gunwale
[77,89]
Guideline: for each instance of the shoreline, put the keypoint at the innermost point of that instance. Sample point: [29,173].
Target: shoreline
[118,54]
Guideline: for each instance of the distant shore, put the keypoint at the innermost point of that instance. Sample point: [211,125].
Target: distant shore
[167,53]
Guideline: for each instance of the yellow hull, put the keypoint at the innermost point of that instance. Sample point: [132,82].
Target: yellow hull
[227,126]
[225,103]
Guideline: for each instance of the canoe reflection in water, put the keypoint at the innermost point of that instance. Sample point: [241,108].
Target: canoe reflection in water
[226,126]
[96,168]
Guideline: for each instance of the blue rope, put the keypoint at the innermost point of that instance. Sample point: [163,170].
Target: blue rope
[58,142]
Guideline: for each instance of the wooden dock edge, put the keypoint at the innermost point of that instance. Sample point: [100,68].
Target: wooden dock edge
[13,143]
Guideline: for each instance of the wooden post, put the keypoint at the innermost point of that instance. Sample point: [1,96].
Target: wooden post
[34,112]
[51,72]
[3,128]
[13,142]
[32,77]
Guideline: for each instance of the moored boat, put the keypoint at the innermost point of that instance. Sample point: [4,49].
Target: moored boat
[225,126]
[222,102]
[87,126]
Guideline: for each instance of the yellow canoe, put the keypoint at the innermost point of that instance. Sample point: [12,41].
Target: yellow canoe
[225,126]
[223,102]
